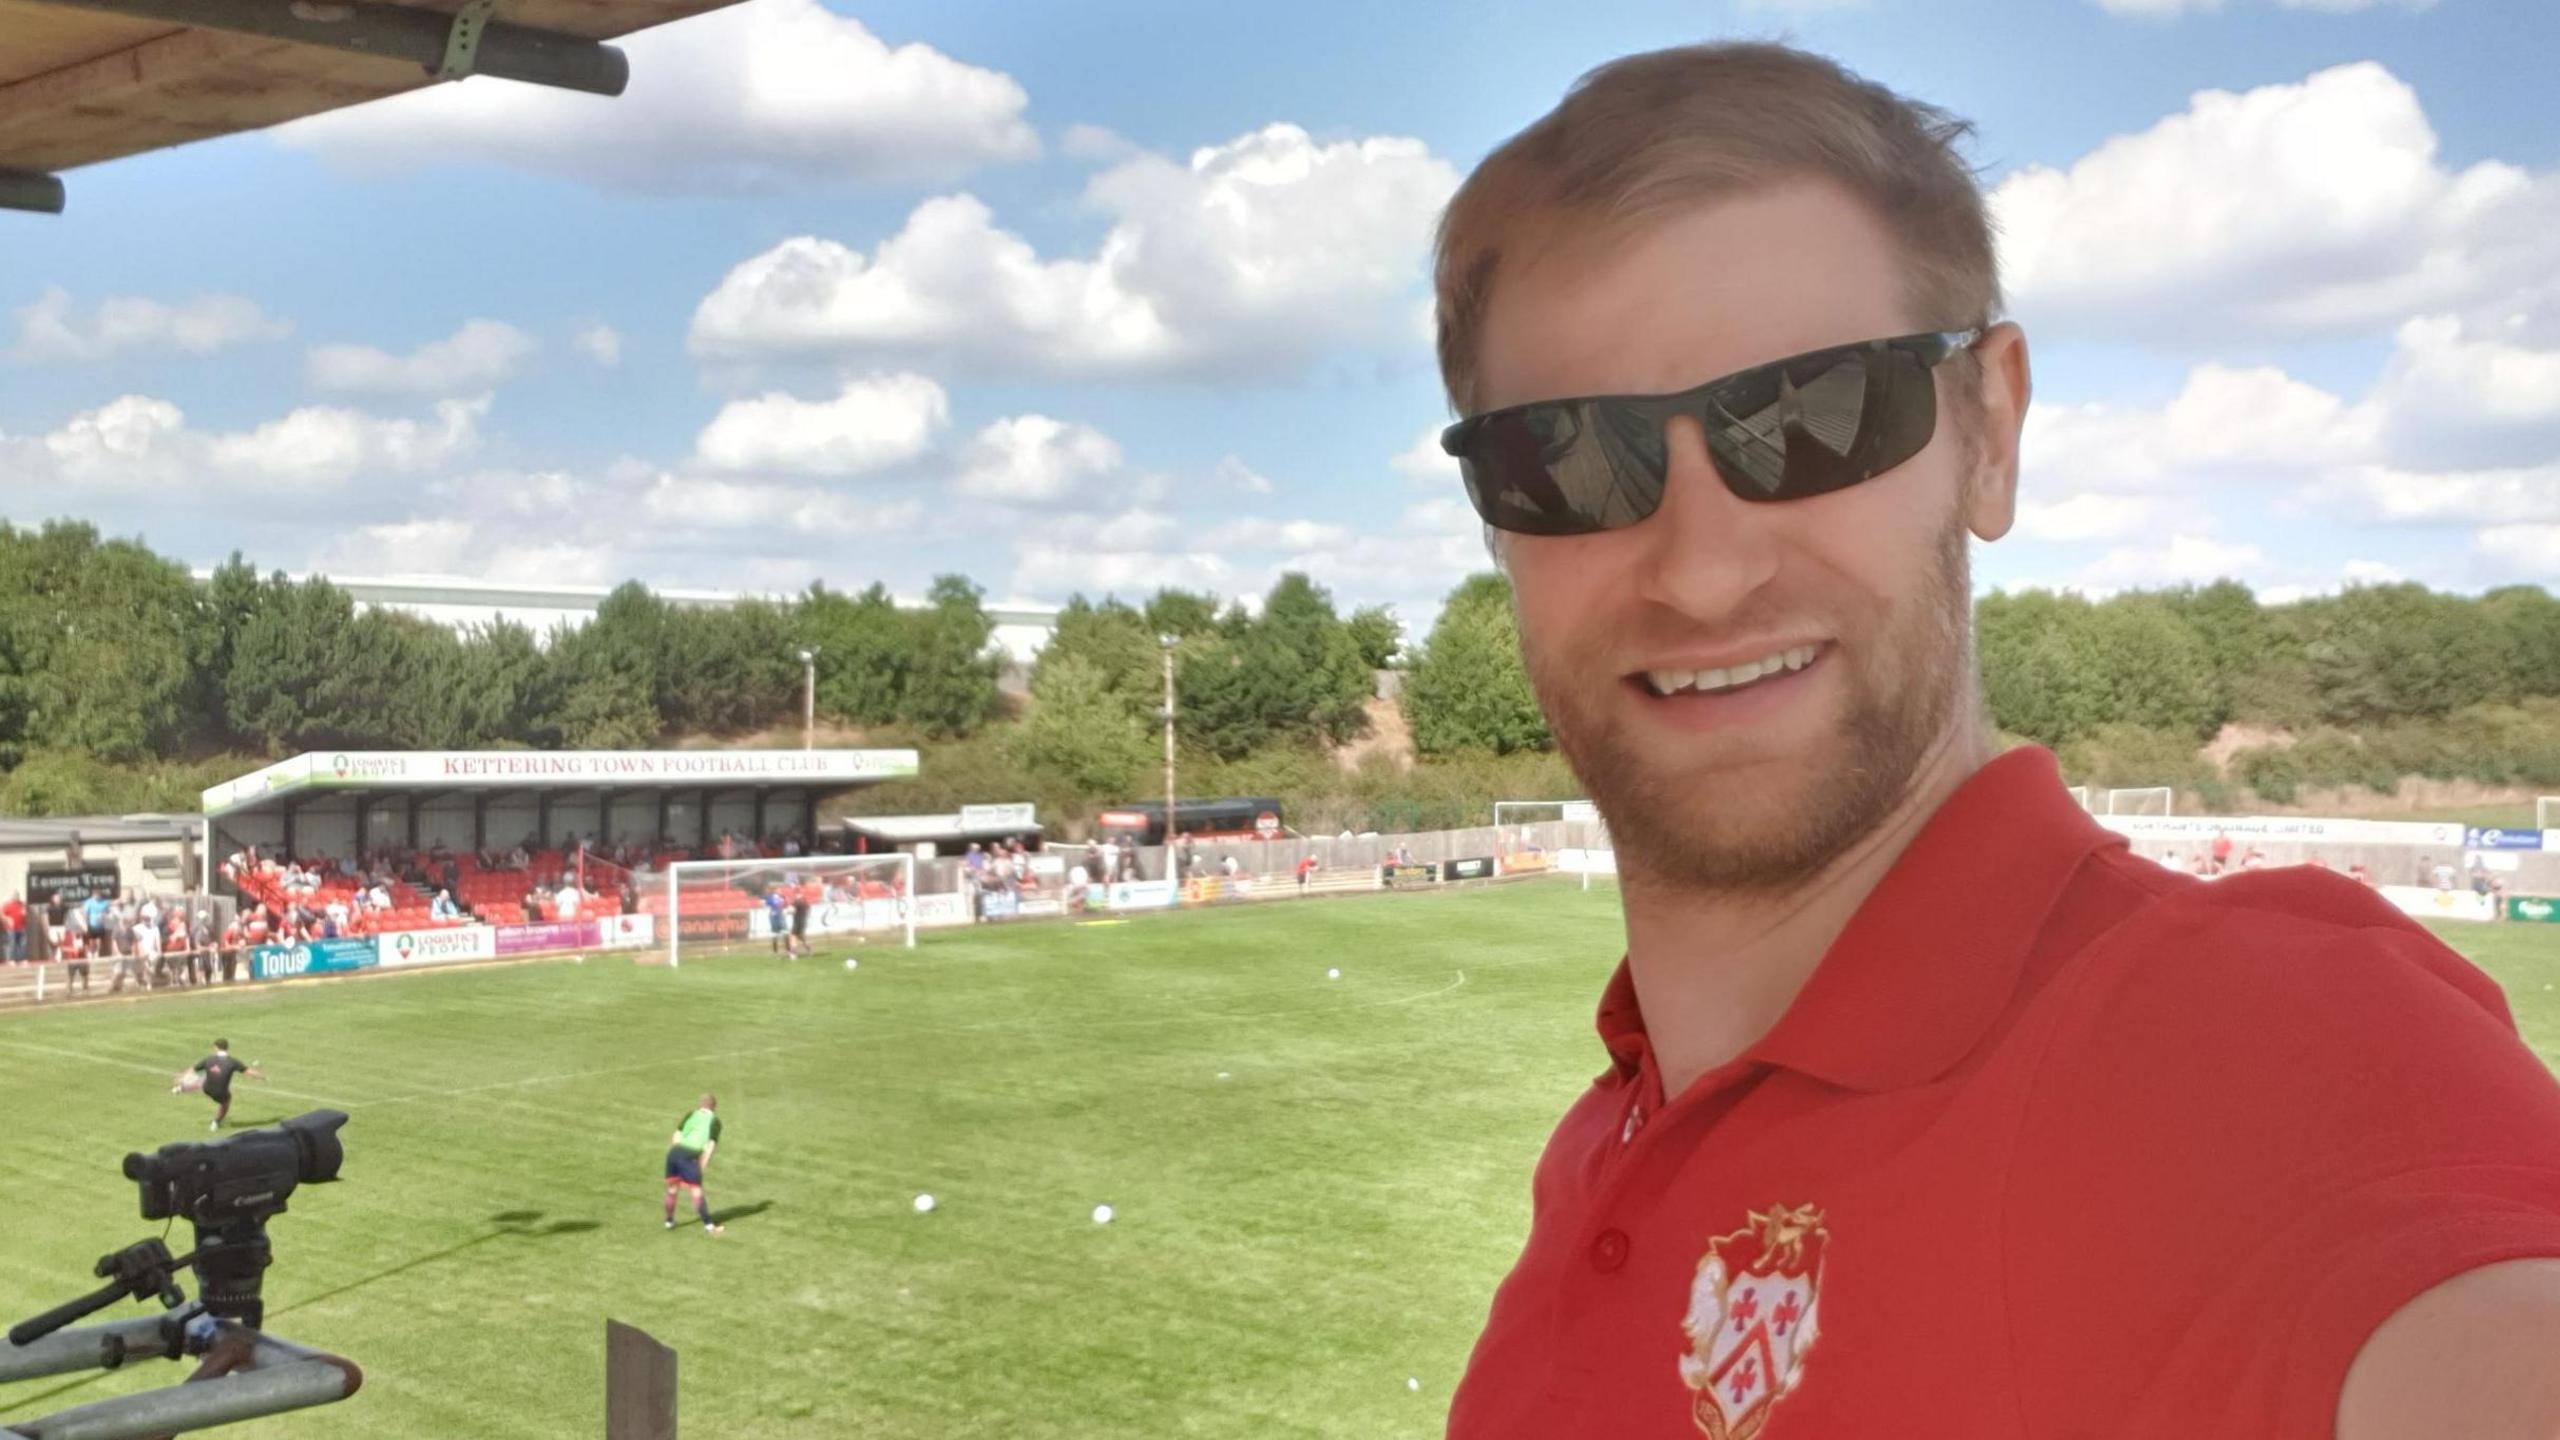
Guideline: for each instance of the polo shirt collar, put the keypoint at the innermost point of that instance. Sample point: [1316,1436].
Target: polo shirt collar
[1929,962]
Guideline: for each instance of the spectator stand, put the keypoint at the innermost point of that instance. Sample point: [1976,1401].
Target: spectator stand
[513,837]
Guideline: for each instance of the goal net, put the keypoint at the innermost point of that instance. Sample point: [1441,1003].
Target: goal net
[716,905]
[2141,800]
[1531,835]
[2546,813]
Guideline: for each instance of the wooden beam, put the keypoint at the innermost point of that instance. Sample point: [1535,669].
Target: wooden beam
[639,1386]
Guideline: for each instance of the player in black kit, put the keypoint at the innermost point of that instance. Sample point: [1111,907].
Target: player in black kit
[217,1070]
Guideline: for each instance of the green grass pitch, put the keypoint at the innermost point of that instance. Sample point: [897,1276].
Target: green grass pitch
[1292,1241]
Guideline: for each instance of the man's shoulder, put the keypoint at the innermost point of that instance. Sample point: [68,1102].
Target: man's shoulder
[2292,936]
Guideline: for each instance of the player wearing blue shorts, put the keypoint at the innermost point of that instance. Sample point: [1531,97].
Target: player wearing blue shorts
[688,1152]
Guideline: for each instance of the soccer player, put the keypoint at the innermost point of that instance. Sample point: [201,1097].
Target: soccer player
[1926,1108]
[777,920]
[214,1074]
[689,1152]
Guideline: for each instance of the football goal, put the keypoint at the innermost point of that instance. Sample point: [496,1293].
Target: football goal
[2080,797]
[2141,800]
[2546,813]
[722,904]
[1531,834]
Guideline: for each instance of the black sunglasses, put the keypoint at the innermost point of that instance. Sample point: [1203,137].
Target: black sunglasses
[1803,426]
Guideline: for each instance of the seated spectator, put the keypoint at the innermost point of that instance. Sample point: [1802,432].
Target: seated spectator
[517,859]
[443,907]
[379,896]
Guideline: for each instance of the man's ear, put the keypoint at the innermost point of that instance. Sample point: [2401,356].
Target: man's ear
[2003,385]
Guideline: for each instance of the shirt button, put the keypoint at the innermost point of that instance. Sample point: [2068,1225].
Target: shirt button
[1609,1251]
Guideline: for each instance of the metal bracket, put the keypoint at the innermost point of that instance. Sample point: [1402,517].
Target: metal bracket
[462,42]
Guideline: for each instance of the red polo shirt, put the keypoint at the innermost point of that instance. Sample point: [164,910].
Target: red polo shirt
[2055,1142]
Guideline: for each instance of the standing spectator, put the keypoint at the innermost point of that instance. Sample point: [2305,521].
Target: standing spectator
[138,954]
[567,900]
[13,921]
[93,924]
[2443,874]
[75,958]
[1306,871]
[232,935]
[2221,852]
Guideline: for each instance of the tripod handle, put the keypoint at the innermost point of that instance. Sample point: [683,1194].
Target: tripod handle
[28,1332]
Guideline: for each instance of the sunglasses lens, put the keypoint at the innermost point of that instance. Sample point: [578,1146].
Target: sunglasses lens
[1820,424]
[1787,431]
[1567,469]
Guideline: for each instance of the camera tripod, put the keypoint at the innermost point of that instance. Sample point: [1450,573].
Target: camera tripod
[242,1375]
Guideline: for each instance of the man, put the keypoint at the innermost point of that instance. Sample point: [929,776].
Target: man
[777,920]
[214,1074]
[689,1152]
[1306,871]
[13,920]
[1928,1109]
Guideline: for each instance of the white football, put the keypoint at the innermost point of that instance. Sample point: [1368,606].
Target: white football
[1101,1214]
[852,964]
[924,1204]
[1333,974]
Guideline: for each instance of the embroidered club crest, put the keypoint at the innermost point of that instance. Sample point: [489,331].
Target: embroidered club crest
[1752,1316]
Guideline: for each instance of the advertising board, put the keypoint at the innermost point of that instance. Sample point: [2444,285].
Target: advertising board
[71,882]
[437,947]
[1476,867]
[550,935]
[314,957]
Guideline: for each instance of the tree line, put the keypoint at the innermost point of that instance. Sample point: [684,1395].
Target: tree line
[112,655]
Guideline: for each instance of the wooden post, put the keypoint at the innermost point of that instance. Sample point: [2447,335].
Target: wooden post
[639,1386]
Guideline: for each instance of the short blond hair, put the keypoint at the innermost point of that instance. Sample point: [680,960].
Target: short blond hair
[1651,133]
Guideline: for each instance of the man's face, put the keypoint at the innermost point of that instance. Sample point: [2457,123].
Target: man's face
[1756,787]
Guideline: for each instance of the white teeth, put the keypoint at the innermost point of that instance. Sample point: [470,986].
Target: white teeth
[1672,682]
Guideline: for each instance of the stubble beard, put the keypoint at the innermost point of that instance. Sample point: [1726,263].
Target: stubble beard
[1775,831]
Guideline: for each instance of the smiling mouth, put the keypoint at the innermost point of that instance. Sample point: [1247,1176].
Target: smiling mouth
[1667,683]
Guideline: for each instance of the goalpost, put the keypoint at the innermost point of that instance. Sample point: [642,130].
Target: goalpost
[2142,800]
[712,904]
[1510,814]
[2080,797]
[2546,812]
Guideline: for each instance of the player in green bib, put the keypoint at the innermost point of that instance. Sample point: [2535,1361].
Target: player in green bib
[688,1151]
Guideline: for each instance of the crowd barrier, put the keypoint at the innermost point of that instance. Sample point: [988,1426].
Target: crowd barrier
[2526,862]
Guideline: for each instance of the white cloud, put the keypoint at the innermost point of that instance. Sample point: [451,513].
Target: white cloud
[797,511]
[2300,209]
[748,97]
[1424,462]
[1034,460]
[1255,533]
[138,445]
[52,329]
[2086,516]
[2371,572]
[2182,559]
[2527,551]
[2419,497]
[1128,553]
[480,355]
[1232,474]
[2158,9]
[2221,419]
[1094,142]
[600,343]
[1251,258]
[2451,401]
[871,423]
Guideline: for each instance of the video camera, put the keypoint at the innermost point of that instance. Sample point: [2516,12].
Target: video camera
[228,1189]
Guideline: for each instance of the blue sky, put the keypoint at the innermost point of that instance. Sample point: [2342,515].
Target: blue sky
[1102,296]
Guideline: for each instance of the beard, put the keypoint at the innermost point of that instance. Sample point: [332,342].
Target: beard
[1770,826]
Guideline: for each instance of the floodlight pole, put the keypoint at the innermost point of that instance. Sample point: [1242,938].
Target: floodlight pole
[1166,641]
[809,698]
